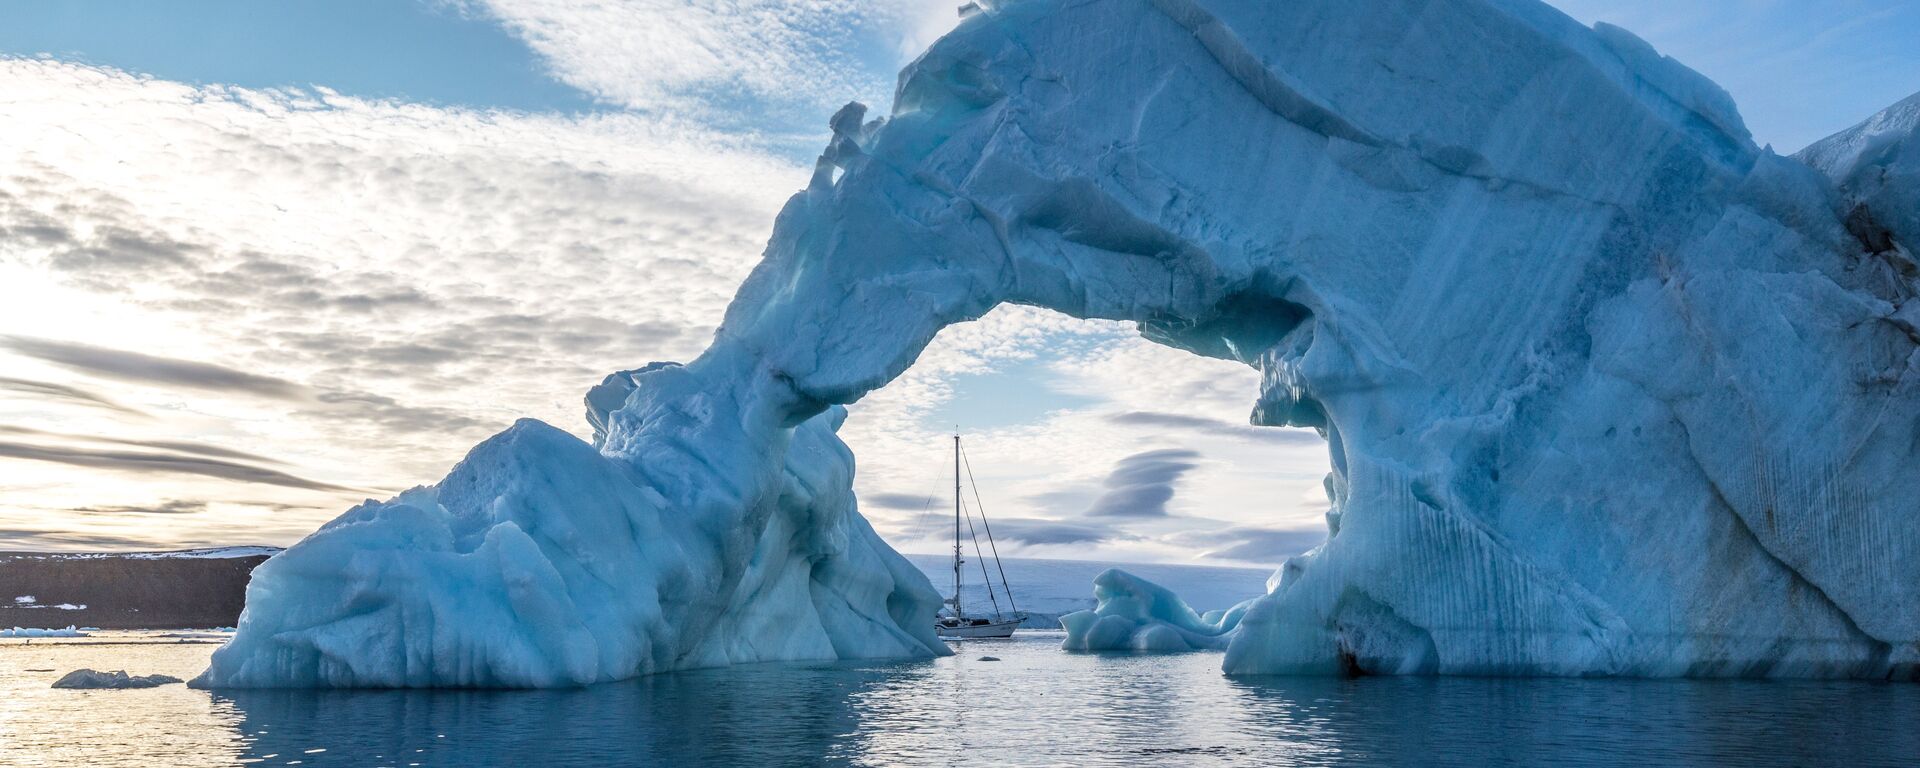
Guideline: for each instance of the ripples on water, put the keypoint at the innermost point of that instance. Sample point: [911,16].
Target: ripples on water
[1038,706]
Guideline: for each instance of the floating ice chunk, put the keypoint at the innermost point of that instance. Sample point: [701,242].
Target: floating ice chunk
[1134,614]
[69,631]
[87,678]
[25,600]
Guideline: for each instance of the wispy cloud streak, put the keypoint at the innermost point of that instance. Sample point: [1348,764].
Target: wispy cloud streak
[150,369]
[141,462]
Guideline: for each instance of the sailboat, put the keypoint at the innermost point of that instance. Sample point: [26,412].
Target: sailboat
[956,623]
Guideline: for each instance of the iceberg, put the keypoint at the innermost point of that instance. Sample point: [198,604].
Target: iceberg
[540,562]
[1134,614]
[87,678]
[1608,389]
[33,632]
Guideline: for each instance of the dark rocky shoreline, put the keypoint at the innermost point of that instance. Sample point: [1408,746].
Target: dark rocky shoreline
[144,590]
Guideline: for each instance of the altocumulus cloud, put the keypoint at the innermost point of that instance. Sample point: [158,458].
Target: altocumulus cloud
[423,275]
[407,278]
[700,55]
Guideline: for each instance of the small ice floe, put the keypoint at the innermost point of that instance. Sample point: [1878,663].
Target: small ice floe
[87,678]
[70,631]
[211,634]
[1134,614]
[29,601]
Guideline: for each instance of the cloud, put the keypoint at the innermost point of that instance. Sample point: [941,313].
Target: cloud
[1059,497]
[62,392]
[714,57]
[170,507]
[1211,426]
[1140,485]
[901,501]
[1034,532]
[1253,544]
[383,283]
[428,274]
[167,463]
[1169,420]
[390,415]
[42,539]
[181,446]
[149,369]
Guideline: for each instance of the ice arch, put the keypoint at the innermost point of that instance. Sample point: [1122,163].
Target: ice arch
[1609,390]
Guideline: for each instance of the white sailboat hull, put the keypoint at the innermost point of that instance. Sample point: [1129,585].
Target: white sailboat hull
[991,629]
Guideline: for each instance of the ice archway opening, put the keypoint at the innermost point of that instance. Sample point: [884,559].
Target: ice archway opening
[1534,280]
[1087,442]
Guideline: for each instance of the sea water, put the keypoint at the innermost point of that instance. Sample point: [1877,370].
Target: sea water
[1036,705]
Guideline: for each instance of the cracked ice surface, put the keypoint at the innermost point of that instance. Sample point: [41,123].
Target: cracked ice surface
[1608,389]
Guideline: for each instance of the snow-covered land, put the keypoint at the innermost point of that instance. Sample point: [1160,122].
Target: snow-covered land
[1609,390]
[1049,589]
[214,553]
[210,553]
[127,590]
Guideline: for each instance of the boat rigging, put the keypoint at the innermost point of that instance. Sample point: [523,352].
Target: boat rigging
[957,624]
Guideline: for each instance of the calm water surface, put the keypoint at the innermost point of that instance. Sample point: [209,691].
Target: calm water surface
[1037,706]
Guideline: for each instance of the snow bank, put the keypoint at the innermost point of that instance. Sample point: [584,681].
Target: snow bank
[87,678]
[1138,615]
[1605,388]
[69,631]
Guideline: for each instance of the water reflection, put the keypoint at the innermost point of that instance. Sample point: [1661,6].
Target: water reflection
[761,715]
[1038,706]
[1476,722]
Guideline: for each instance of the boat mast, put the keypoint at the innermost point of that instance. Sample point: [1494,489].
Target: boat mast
[956,525]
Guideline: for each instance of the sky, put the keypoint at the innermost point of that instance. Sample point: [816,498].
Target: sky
[260,261]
